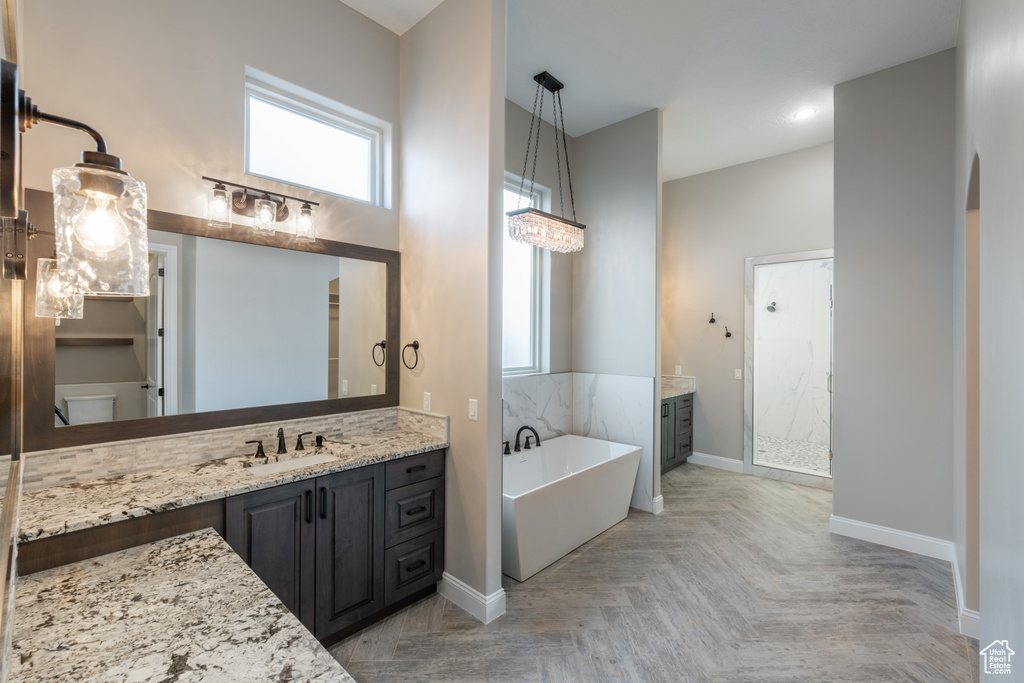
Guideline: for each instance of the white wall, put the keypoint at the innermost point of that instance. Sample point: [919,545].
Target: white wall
[278,356]
[558,297]
[616,311]
[164,83]
[990,100]
[713,221]
[453,113]
[893,387]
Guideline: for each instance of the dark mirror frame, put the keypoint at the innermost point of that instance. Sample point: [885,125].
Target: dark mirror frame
[40,432]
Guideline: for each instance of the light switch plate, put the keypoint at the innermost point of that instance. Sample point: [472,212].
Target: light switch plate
[344,387]
[373,390]
[426,401]
[737,374]
[474,413]
[679,371]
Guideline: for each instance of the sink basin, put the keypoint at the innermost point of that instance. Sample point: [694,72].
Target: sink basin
[293,464]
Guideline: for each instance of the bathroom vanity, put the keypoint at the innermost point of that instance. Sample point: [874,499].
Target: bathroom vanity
[676,422]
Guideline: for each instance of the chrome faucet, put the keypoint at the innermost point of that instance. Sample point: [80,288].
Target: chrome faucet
[535,436]
[280,441]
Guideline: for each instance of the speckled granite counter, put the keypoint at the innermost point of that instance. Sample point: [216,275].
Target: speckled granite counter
[183,609]
[61,509]
[673,385]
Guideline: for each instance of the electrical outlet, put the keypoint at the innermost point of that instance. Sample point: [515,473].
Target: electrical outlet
[426,401]
[679,371]
[373,390]
[344,387]
[474,413]
[737,374]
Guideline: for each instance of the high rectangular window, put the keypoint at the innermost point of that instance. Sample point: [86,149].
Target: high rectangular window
[309,145]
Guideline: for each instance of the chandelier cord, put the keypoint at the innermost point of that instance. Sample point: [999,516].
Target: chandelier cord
[558,156]
[526,161]
[568,172]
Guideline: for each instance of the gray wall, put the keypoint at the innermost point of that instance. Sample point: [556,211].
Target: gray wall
[616,312]
[893,297]
[712,222]
[175,109]
[989,124]
[558,297]
[453,113]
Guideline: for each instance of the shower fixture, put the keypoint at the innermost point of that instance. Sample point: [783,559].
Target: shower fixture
[727,332]
[771,307]
[712,321]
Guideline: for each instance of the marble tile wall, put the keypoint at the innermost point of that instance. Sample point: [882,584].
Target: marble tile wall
[792,350]
[99,461]
[543,402]
[619,408]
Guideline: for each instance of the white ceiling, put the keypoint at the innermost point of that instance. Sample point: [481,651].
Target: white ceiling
[728,74]
[397,15]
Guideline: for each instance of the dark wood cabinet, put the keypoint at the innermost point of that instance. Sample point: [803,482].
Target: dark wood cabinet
[676,431]
[340,549]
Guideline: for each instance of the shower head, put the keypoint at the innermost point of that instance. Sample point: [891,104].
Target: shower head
[771,307]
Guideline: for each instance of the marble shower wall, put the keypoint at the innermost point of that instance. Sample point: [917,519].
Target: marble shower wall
[792,348]
[542,401]
[610,407]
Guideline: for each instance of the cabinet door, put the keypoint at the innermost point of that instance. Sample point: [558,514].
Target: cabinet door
[668,435]
[349,548]
[273,531]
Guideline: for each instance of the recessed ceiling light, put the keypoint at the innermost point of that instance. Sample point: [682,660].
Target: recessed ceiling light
[805,113]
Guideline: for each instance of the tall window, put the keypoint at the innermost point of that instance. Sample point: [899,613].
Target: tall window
[520,294]
[310,144]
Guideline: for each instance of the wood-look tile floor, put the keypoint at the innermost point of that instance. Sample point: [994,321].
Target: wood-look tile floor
[737,580]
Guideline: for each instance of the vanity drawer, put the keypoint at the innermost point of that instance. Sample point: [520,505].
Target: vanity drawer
[684,419]
[413,565]
[413,469]
[684,444]
[684,401]
[414,510]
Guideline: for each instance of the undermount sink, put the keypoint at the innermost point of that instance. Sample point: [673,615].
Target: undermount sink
[291,464]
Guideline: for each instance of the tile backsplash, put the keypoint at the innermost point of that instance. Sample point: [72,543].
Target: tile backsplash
[99,461]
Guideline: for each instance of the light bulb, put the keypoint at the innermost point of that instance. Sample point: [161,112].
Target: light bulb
[53,287]
[98,227]
[305,224]
[264,215]
[220,207]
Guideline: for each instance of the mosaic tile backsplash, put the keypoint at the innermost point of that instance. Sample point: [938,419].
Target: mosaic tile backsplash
[99,461]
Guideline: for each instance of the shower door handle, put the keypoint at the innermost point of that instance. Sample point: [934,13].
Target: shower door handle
[830,382]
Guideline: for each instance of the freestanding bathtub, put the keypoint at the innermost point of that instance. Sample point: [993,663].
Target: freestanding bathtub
[557,497]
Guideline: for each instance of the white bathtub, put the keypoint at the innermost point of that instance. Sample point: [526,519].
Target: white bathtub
[557,497]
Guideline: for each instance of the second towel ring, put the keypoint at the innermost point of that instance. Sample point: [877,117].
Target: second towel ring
[383,352]
[415,345]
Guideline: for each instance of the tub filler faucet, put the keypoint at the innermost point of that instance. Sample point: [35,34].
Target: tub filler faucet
[536,438]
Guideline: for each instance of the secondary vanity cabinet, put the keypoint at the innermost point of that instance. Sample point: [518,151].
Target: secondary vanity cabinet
[676,431]
[340,549]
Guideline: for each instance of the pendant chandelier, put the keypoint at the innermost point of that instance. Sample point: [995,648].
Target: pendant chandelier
[530,225]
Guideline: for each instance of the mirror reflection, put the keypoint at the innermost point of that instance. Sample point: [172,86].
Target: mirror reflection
[228,325]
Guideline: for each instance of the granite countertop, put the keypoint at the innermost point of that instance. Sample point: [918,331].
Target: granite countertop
[61,509]
[673,385]
[183,609]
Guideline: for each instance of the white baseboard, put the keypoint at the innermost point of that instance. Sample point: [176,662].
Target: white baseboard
[485,608]
[718,461]
[893,538]
[659,504]
[969,624]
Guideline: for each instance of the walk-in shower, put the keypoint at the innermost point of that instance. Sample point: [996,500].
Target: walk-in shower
[788,349]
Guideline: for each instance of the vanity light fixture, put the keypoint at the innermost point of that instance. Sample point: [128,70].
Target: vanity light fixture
[55,298]
[266,209]
[530,225]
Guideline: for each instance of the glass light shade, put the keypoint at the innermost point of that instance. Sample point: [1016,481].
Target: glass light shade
[54,298]
[219,207]
[305,224]
[544,230]
[100,231]
[264,215]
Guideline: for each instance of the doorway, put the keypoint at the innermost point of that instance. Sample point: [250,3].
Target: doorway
[788,378]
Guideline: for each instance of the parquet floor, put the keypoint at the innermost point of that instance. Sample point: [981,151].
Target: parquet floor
[737,580]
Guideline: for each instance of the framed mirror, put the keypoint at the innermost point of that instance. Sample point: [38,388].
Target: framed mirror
[240,328]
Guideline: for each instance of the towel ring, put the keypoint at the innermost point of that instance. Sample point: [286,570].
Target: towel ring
[383,352]
[415,345]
